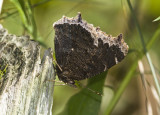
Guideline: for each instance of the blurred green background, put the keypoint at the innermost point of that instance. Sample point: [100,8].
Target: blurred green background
[113,17]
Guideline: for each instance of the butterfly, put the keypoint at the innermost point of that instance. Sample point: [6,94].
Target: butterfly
[83,51]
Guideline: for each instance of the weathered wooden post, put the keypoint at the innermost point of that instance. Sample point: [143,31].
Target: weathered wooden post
[25,88]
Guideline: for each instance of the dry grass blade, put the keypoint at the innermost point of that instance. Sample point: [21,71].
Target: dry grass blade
[152,101]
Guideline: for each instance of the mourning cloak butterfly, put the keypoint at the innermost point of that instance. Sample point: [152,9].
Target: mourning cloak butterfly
[83,51]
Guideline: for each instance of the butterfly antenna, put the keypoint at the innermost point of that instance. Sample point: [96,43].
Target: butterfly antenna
[60,85]
[57,82]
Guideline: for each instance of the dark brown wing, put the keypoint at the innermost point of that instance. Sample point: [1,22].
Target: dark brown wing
[83,51]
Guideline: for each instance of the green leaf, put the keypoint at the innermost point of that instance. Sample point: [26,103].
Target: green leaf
[157,19]
[86,102]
